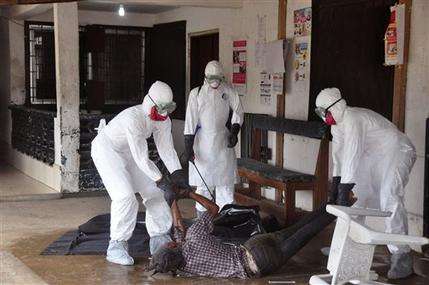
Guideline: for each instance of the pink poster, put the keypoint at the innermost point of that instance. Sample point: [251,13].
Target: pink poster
[239,61]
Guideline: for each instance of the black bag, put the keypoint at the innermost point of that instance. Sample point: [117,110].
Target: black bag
[238,222]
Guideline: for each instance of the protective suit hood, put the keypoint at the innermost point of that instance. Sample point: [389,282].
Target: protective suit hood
[214,74]
[327,97]
[160,93]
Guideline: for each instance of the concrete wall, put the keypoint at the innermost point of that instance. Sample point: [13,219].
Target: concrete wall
[417,109]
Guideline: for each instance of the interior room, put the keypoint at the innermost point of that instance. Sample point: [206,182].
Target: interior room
[305,117]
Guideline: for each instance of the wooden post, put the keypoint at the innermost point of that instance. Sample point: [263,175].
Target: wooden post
[400,80]
[281,97]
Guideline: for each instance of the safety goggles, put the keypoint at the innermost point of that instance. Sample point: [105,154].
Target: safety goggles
[163,108]
[213,78]
[321,112]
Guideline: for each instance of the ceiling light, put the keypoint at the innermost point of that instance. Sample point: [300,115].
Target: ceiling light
[121,10]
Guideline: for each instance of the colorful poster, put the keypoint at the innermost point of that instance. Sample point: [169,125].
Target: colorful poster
[265,88]
[302,22]
[301,56]
[394,36]
[239,62]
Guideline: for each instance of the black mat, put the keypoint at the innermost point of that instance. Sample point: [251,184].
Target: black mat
[234,225]
[92,238]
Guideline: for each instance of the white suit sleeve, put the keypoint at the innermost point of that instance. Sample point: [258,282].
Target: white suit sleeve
[354,137]
[337,151]
[139,151]
[164,144]
[192,118]
[236,106]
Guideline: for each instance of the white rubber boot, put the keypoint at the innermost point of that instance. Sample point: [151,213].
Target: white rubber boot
[117,252]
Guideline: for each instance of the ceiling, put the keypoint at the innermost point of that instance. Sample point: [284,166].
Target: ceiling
[107,6]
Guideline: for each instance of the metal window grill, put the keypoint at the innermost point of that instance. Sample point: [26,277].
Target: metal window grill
[41,63]
[120,66]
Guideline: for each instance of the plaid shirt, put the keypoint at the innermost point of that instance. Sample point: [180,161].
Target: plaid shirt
[205,256]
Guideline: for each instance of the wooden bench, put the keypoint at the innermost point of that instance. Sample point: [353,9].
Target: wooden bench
[285,181]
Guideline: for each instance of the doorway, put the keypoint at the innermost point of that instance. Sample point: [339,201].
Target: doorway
[347,51]
[204,48]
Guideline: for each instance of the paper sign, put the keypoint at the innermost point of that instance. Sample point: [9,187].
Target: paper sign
[394,36]
[301,56]
[302,22]
[265,88]
[239,58]
[274,60]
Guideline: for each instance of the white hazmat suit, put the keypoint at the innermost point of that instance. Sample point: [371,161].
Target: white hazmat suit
[120,153]
[206,117]
[371,152]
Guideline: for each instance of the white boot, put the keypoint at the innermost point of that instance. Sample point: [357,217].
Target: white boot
[401,265]
[118,253]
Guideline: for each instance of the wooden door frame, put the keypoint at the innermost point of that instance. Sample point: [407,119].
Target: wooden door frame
[400,79]
[188,54]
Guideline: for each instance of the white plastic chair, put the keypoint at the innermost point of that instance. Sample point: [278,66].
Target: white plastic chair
[352,247]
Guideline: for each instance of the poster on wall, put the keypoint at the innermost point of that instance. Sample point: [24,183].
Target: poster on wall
[394,36]
[265,88]
[302,22]
[239,62]
[277,83]
[300,63]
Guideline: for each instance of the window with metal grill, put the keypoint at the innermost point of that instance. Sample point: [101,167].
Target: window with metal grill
[111,65]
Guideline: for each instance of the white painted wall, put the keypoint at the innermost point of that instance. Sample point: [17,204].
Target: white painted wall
[417,109]
[104,18]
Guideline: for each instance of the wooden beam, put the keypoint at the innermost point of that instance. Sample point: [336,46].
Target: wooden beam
[281,97]
[400,79]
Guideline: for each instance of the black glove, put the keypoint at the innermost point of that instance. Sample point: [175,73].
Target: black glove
[165,185]
[233,138]
[333,193]
[189,148]
[344,190]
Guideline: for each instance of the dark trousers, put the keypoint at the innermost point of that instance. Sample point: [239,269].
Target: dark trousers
[270,251]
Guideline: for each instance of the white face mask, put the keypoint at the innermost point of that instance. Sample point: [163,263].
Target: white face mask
[214,84]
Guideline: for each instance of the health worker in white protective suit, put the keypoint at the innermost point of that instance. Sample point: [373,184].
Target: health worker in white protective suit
[372,157]
[209,143]
[120,153]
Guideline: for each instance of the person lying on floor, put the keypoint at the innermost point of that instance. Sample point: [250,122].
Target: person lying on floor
[196,252]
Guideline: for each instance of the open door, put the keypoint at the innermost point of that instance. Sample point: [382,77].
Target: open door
[166,61]
[204,48]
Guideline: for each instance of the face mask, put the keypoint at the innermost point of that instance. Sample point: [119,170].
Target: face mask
[323,113]
[155,116]
[329,119]
[160,112]
[214,84]
[214,81]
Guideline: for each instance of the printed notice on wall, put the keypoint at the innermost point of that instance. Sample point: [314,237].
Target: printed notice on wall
[277,83]
[394,36]
[265,88]
[302,22]
[300,63]
[239,60]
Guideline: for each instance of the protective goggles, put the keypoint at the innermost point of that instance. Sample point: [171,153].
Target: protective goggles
[163,108]
[321,112]
[213,78]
